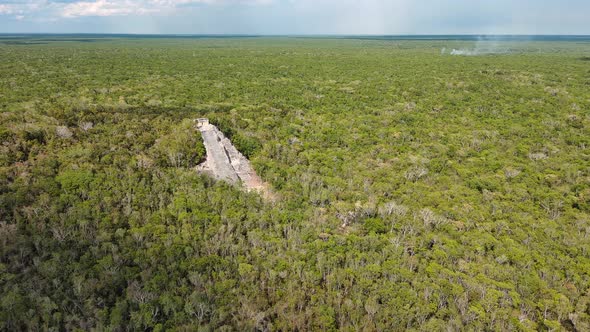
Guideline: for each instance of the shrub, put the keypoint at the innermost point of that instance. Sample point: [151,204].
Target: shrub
[375,225]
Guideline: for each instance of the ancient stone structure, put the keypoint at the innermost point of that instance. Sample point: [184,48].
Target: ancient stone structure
[225,162]
[201,122]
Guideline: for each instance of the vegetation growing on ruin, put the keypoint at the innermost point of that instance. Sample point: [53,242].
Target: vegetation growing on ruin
[417,190]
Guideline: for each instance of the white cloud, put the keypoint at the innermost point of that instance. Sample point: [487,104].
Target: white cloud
[21,8]
[106,8]
[10,9]
[140,7]
[5,9]
[209,2]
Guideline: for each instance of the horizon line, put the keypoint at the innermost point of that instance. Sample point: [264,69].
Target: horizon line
[293,35]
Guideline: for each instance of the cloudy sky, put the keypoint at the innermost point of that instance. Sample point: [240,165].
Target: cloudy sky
[297,16]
